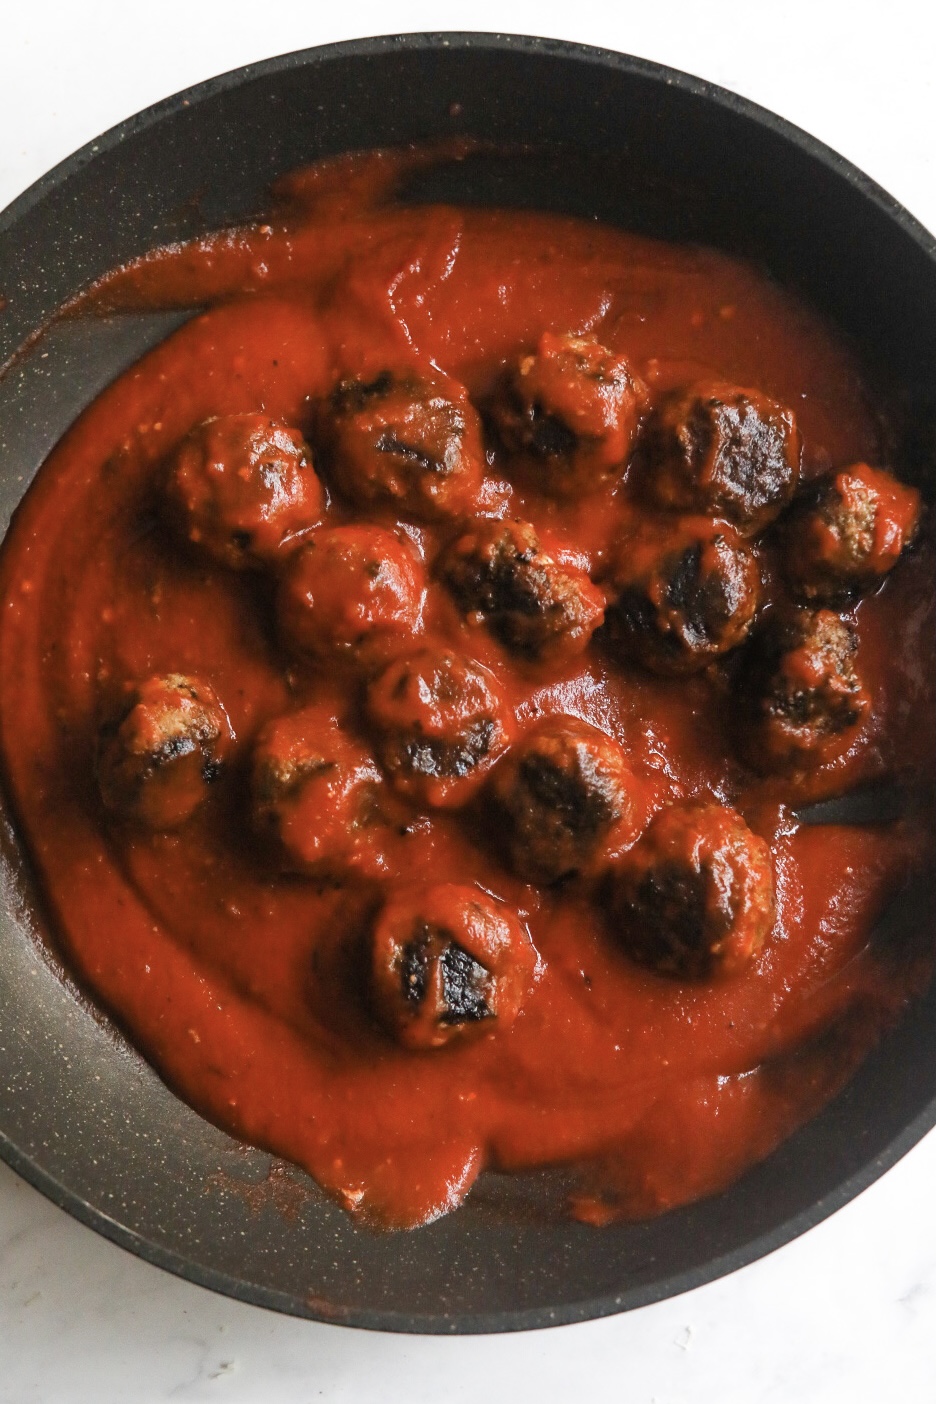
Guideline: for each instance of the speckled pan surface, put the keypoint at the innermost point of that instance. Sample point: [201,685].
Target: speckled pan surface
[80,1115]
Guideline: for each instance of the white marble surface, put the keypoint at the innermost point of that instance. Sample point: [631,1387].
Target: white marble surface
[846,1313]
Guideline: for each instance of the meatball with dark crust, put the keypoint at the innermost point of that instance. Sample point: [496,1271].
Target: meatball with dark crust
[719,450]
[694,897]
[317,796]
[405,441]
[156,760]
[687,591]
[558,797]
[800,695]
[241,486]
[348,589]
[849,533]
[448,962]
[571,411]
[440,723]
[538,609]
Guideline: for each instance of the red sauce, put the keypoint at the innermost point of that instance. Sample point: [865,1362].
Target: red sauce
[241,984]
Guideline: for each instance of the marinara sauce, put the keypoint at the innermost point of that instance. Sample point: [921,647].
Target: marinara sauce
[422,797]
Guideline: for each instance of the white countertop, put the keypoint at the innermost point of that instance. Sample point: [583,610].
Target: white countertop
[847,1312]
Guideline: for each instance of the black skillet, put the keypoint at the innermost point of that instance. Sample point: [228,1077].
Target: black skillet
[81,1116]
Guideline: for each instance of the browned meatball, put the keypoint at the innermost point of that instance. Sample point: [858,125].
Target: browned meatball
[157,758]
[687,592]
[801,697]
[849,533]
[440,723]
[241,486]
[406,441]
[447,962]
[349,589]
[722,451]
[571,411]
[695,895]
[317,796]
[539,610]
[559,797]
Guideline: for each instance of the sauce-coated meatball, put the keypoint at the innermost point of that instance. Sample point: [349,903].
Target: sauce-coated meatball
[800,694]
[695,895]
[317,796]
[440,723]
[446,962]
[687,592]
[571,411]
[559,797]
[538,609]
[157,759]
[240,486]
[405,441]
[348,588]
[850,533]
[722,451]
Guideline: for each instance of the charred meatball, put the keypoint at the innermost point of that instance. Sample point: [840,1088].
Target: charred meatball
[448,961]
[722,451]
[440,723]
[407,442]
[348,589]
[539,610]
[849,533]
[694,897]
[240,486]
[558,798]
[317,796]
[801,697]
[156,760]
[571,411]
[687,592]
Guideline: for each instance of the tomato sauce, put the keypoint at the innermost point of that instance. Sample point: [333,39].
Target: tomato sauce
[242,985]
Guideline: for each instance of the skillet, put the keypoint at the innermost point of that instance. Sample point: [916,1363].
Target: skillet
[81,1116]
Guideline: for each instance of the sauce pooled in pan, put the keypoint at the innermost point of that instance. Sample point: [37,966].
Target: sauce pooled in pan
[411,672]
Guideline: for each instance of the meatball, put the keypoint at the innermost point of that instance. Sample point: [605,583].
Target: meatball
[850,533]
[686,592]
[440,723]
[695,895]
[405,441]
[156,760]
[317,796]
[571,411]
[800,694]
[447,962]
[722,451]
[240,486]
[536,608]
[347,589]
[559,797]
